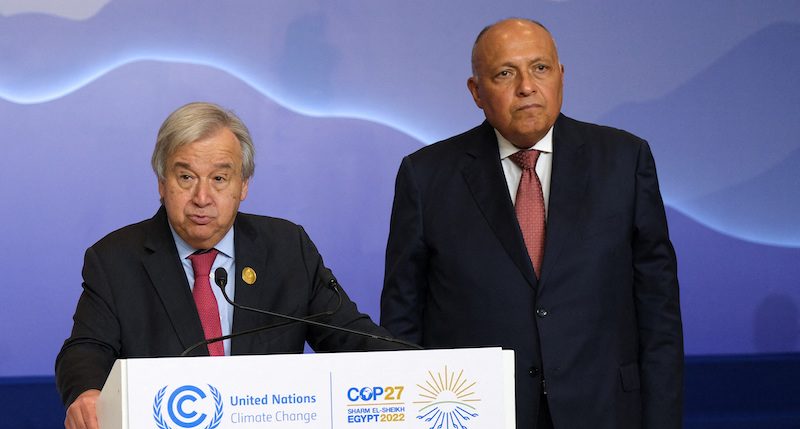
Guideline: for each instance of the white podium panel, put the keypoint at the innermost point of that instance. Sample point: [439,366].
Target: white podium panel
[420,389]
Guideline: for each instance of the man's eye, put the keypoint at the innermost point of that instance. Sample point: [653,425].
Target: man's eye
[504,73]
[185,177]
[541,67]
[219,179]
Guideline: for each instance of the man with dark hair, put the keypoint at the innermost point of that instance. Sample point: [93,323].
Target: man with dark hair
[544,235]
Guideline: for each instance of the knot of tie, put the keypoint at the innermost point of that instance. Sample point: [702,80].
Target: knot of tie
[525,159]
[202,262]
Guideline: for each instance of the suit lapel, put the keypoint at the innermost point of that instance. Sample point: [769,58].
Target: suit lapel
[169,280]
[568,186]
[486,181]
[251,252]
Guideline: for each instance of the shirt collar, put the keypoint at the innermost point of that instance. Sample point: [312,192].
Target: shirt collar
[507,148]
[225,246]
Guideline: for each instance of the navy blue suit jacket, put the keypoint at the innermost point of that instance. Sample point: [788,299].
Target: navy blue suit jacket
[602,325]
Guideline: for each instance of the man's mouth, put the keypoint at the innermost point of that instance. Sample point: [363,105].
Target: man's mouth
[530,106]
[200,219]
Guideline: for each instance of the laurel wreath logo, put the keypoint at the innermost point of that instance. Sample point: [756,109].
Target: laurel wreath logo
[162,424]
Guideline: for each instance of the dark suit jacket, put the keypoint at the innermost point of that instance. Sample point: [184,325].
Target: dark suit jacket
[136,300]
[602,325]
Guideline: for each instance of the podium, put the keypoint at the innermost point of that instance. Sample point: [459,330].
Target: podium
[421,389]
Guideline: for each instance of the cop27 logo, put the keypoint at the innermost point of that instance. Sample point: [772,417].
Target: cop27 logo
[188,407]
[447,400]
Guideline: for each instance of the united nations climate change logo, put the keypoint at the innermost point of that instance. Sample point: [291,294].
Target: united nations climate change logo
[447,400]
[188,407]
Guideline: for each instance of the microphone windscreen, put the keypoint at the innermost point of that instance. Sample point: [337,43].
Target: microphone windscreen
[221,277]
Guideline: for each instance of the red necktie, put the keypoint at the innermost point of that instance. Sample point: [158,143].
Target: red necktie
[205,301]
[530,207]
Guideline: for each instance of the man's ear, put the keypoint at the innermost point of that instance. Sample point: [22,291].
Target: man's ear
[243,195]
[472,85]
[161,188]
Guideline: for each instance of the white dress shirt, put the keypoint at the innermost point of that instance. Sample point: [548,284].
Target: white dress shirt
[513,172]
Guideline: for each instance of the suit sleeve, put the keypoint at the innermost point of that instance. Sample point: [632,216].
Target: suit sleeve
[405,282]
[89,353]
[657,303]
[323,298]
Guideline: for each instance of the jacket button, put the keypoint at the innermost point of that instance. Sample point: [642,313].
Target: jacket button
[533,371]
[541,312]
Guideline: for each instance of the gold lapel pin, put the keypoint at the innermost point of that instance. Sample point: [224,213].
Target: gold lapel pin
[249,275]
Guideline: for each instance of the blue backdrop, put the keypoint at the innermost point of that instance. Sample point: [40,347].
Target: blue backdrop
[335,93]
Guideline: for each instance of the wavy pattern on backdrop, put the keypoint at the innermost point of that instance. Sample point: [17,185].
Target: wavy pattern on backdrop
[713,157]
[730,151]
[80,104]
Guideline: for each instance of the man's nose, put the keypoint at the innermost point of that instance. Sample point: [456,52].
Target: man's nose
[202,196]
[526,85]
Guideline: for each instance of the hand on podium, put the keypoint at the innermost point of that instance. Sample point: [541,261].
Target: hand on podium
[82,414]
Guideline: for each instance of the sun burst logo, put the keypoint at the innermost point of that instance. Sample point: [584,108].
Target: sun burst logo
[447,400]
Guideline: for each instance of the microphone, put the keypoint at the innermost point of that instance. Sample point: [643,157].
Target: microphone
[333,284]
[221,279]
